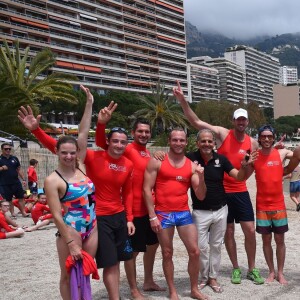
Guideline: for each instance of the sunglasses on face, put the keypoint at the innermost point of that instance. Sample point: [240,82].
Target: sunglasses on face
[7,149]
[270,137]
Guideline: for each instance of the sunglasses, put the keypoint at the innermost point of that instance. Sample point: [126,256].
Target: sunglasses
[7,149]
[118,129]
[270,137]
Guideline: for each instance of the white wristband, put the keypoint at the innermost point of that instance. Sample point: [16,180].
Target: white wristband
[152,219]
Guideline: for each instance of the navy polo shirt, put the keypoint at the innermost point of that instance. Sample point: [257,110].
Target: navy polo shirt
[11,175]
[213,175]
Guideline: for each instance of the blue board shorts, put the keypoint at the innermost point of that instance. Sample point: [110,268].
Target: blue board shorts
[174,218]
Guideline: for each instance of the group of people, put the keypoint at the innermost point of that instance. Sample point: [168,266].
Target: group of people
[124,219]
[12,193]
[267,163]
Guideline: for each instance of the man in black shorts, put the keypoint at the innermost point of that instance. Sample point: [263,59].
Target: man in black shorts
[144,239]
[10,185]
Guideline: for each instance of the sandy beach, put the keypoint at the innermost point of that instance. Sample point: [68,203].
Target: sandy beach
[30,270]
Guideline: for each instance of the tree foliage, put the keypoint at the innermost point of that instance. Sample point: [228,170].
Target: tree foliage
[161,110]
[25,80]
[287,124]
[219,113]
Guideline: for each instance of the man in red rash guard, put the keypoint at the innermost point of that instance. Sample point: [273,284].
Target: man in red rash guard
[172,178]
[144,239]
[5,230]
[271,213]
[234,144]
[111,174]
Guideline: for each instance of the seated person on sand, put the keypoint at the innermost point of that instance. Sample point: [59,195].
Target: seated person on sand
[9,219]
[29,200]
[40,213]
[8,230]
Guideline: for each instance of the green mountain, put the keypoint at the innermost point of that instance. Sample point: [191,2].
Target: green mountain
[285,46]
[212,44]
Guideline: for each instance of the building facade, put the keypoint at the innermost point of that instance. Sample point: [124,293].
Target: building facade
[203,83]
[108,44]
[262,72]
[232,77]
[288,75]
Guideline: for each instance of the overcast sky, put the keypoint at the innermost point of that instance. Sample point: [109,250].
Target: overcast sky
[244,18]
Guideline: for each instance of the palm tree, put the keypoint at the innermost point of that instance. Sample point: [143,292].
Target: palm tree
[23,83]
[161,110]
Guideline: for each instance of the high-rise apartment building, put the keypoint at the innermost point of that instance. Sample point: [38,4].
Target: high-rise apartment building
[232,78]
[262,72]
[109,44]
[203,83]
[288,75]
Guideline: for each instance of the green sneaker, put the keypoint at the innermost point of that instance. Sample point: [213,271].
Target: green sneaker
[255,276]
[236,276]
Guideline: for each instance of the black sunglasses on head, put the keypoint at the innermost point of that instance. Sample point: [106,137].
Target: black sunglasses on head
[118,129]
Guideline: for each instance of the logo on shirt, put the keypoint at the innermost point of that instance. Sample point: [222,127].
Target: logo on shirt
[144,154]
[273,163]
[217,163]
[115,167]
[242,151]
[182,179]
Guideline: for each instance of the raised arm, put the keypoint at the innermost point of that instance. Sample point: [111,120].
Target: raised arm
[26,117]
[85,123]
[220,132]
[149,182]
[104,117]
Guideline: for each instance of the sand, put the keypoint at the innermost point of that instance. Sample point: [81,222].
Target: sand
[30,270]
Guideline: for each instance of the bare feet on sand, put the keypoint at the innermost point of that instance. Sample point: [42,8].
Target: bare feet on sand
[198,295]
[270,278]
[173,296]
[280,278]
[153,287]
[137,295]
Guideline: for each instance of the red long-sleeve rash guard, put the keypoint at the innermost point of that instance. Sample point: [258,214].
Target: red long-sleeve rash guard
[3,224]
[140,157]
[111,177]
[31,174]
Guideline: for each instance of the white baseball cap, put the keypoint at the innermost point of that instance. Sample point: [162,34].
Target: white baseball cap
[240,112]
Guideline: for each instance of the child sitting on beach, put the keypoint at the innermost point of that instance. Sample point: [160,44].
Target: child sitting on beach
[40,213]
[29,200]
[8,228]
